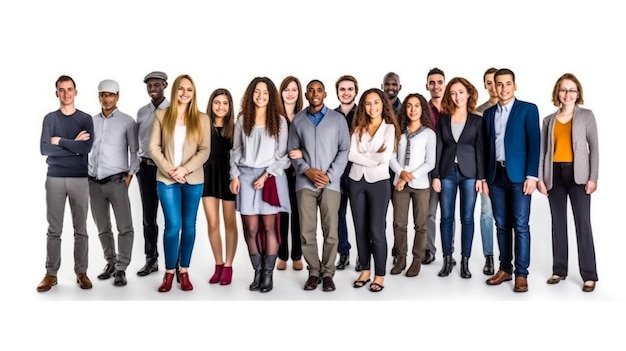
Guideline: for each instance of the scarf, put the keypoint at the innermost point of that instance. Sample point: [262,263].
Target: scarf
[410,136]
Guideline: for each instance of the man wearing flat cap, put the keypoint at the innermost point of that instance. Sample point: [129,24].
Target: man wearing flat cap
[112,162]
[156,82]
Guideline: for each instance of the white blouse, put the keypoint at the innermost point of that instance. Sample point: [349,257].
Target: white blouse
[366,160]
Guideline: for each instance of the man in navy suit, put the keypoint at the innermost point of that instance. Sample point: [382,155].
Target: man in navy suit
[512,143]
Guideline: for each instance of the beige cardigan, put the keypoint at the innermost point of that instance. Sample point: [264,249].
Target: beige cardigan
[584,145]
[194,154]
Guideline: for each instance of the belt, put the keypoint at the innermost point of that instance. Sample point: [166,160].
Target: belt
[118,176]
[148,161]
[501,164]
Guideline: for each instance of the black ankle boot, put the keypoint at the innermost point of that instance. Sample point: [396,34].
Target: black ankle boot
[256,264]
[447,266]
[465,273]
[488,269]
[267,282]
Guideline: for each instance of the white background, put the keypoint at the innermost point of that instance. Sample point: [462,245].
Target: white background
[226,44]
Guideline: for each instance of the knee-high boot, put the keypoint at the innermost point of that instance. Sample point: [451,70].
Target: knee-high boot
[267,282]
[256,260]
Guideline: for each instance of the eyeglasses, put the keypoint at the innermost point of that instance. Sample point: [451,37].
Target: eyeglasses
[565,91]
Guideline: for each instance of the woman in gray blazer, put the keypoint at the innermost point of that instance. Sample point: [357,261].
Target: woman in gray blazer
[568,167]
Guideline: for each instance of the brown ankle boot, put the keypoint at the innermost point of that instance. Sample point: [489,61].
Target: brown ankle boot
[399,266]
[415,268]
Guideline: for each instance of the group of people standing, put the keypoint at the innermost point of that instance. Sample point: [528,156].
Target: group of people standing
[279,163]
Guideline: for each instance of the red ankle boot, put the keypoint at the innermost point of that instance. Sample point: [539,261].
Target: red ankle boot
[185,284]
[217,275]
[166,285]
[227,276]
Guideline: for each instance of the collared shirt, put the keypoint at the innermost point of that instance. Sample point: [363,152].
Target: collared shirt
[316,118]
[115,145]
[145,117]
[434,114]
[500,121]
[396,104]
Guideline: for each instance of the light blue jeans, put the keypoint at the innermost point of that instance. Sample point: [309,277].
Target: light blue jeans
[486,224]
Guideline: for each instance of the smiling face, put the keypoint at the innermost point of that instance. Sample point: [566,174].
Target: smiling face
[436,85]
[156,88]
[220,106]
[315,95]
[290,93]
[414,109]
[66,92]
[346,92]
[568,93]
[505,86]
[373,106]
[261,95]
[391,88]
[184,91]
[108,101]
[459,96]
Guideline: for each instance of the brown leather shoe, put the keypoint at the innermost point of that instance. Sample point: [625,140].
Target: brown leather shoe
[47,283]
[311,283]
[500,277]
[521,284]
[328,284]
[281,265]
[297,265]
[83,281]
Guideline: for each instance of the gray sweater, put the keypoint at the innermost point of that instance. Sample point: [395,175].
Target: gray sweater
[584,145]
[324,147]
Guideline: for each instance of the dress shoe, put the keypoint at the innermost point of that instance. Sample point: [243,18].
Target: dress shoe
[311,283]
[47,283]
[415,268]
[589,286]
[344,261]
[149,267]
[227,276]
[399,266]
[521,284]
[281,265]
[83,281]
[119,278]
[108,271]
[465,272]
[555,279]
[446,268]
[185,284]
[328,284]
[499,278]
[166,285]
[217,275]
[488,268]
[297,265]
[429,257]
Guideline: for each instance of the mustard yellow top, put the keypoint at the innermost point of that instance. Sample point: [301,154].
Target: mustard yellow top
[563,151]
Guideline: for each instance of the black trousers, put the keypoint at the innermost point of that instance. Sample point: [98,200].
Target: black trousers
[146,177]
[563,187]
[296,242]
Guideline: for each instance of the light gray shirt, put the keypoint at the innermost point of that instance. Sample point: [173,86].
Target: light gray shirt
[145,117]
[500,121]
[115,145]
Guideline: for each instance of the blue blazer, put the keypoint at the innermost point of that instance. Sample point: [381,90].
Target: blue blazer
[522,142]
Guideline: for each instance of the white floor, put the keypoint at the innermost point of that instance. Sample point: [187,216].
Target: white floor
[410,308]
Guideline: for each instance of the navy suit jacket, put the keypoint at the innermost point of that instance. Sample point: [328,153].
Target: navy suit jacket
[468,149]
[521,142]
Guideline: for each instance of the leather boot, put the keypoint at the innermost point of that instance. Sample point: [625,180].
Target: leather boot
[465,273]
[185,283]
[267,282]
[447,266]
[256,264]
[217,275]
[399,266]
[166,285]
[488,269]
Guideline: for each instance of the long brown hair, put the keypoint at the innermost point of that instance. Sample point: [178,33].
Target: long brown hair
[229,119]
[283,86]
[448,106]
[248,108]
[425,119]
[362,119]
[192,114]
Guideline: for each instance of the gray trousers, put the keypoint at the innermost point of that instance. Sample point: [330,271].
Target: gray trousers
[58,190]
[401,201]
[103,197]
[431,226]
[328,202]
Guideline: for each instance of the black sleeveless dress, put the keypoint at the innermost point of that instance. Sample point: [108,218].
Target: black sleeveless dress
[217,167]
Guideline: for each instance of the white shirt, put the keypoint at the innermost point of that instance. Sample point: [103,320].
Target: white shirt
[366,160]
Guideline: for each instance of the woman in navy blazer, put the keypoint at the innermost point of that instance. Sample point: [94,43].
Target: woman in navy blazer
[568,167]
[459,166]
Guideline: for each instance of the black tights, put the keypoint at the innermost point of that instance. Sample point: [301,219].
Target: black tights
[252,229]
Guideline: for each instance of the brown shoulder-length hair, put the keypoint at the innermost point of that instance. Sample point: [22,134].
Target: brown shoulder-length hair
[555,90]
[448,106]
[248,108]
[283,86]
[425,119]
[192,114]
[229,120]
[361,119]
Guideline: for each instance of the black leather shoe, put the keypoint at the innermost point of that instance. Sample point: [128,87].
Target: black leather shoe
[312,282]
[328,284]
[108,271]
[344,260]
[149,267]
[429,257]
[120,278]
[488,269]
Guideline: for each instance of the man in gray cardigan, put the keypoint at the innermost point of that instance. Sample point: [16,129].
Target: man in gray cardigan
[318,145]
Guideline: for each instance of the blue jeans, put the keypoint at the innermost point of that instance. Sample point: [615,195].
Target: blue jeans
[180,204]
[486,224]
[511,210]
[447,199]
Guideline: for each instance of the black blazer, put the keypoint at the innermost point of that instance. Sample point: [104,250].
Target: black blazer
[468,150]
